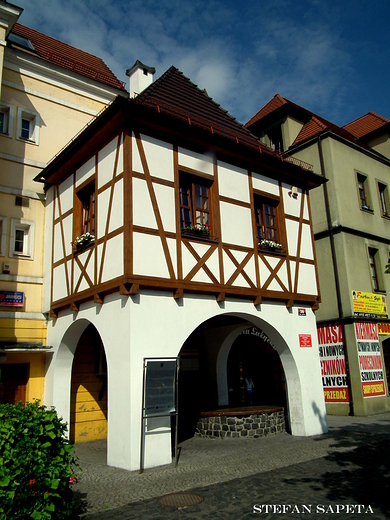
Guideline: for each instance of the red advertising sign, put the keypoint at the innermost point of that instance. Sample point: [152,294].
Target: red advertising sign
[333,366]
[305,340]
[370,359]
[384,328]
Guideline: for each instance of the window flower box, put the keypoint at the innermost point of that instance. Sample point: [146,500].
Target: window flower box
[197,231]
[82,242]
[269,246]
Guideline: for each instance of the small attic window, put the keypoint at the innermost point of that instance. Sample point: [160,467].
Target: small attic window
[145,72]
[22,41]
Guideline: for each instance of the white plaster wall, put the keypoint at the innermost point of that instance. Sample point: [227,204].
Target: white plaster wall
[199,162]
[159,156]
[233,182]
[306,243]
[262,183]
[143,214]
[66,195]
[148,256]
[59,283]
[307,283]
[292,229]
[85,171]
[236,224]
[106,162]
[291,206]
[113,260]
[166,203]
[124,325]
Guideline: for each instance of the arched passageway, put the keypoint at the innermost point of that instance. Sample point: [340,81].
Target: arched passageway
[88,406]
[214,362]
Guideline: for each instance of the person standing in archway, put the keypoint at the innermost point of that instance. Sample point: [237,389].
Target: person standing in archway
[249,386]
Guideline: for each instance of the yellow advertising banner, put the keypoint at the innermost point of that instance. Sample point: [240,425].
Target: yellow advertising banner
[369,305]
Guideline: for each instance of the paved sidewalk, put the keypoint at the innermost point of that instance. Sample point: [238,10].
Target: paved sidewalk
[220,470]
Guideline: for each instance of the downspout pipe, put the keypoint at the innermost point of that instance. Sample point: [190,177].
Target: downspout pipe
[334,263]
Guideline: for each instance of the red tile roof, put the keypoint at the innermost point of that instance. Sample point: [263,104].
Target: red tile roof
[68,57]
[366,124]
[313,124]
[174,94]
[276,102]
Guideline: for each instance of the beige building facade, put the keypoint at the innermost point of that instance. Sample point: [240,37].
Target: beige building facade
[351,225]
[43,104]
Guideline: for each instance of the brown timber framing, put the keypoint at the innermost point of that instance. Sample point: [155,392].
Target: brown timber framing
[111,188]
[128,203]
[155,205]
[130,284]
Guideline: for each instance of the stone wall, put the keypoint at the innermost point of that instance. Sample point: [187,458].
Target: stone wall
[236,427]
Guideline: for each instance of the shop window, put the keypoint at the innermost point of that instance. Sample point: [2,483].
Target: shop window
[266,215]
[194,202]
[22,238]
[375,271]
[363,192]
[28,126]
[384,199]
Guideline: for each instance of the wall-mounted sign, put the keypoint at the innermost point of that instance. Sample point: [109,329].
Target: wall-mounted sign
[333,366]
[160,388]
[301,312]
[305,340]
[370,359]
[369,305]
[384,328]
[11,299]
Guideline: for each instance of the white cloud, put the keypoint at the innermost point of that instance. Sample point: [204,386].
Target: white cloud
[242,53]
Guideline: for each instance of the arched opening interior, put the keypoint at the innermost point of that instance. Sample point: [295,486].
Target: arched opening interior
[88,412]
[214,361]
[255,373]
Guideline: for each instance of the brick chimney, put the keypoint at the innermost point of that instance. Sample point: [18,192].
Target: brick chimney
[141,76]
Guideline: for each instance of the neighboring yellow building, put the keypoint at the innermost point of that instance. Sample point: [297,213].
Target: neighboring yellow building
[49,92]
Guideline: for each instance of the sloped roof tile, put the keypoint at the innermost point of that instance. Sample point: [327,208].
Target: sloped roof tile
[69,57]
[174,94]
[366,124]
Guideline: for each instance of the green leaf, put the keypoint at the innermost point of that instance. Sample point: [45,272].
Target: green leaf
[54,483]
[52,435]
[50,507]
[5,481]
[36,515]
[46,445]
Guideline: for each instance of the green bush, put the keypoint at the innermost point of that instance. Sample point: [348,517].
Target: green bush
[36,463]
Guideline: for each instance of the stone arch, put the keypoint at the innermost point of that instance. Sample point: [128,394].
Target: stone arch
[288,362]
[63,363]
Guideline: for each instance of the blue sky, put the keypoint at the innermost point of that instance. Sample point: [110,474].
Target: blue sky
[332,57]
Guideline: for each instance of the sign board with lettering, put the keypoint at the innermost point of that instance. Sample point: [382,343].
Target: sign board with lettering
[333,366]
[11,299]
[369,305]
[384,329]
[305,340]
[370,359]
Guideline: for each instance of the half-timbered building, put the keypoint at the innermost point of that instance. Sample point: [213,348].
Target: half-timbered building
[174,233]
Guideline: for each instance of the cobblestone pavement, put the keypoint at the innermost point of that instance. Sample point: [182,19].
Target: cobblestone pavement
[236,478]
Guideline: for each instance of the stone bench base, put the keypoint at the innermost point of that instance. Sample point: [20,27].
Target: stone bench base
[241,422]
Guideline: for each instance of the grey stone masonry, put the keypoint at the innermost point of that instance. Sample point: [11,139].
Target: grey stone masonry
[235,427]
